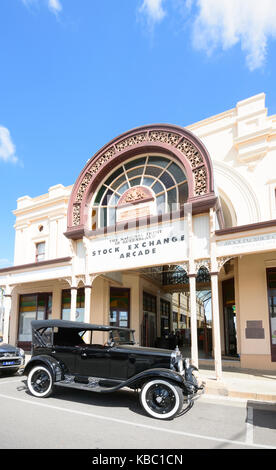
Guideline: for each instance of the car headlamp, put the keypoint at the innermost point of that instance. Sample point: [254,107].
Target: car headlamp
[21,352]
[177,360]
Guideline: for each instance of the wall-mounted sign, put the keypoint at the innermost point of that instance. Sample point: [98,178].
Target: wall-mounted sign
[249,244]
[148,246]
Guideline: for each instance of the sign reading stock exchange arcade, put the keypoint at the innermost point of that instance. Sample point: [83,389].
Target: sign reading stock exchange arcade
[148,246]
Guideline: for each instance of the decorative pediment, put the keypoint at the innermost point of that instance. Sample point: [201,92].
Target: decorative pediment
[135,195]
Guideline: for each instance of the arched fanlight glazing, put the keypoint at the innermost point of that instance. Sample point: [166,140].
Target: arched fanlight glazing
[165,178]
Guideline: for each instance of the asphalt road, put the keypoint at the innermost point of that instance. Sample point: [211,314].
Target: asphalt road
[73,419]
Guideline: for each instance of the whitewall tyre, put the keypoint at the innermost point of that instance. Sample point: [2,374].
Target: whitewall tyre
[161,399]
[40,382]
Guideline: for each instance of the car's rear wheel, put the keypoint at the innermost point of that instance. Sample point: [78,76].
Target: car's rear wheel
[40,382]
[161,399]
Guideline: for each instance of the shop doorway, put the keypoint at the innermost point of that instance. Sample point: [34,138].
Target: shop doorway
[271,288]
[119,307]
[149,323]
[230,320]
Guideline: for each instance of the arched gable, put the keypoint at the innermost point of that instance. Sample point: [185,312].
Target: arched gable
[162,138]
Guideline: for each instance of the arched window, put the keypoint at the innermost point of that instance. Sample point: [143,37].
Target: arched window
[163,176]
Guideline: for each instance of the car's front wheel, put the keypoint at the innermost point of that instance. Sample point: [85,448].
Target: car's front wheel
[40,382]
[161,399]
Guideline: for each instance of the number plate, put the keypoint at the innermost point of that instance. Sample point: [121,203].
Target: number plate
[8,363]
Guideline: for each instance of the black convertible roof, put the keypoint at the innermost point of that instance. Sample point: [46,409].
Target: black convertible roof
[38,324]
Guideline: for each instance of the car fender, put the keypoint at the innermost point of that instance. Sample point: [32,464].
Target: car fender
[49,361]
[139,379]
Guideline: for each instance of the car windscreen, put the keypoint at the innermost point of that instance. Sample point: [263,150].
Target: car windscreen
[122,336]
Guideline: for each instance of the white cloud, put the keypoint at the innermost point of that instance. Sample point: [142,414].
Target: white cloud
[224,23]
[53,5]
[7,148]
[153,9]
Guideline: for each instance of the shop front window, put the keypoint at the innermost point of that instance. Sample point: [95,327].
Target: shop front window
[271,285]
[165,309]
[80,305]
[66,304]
[32,307]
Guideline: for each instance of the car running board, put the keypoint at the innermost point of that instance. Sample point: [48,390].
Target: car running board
[93,384]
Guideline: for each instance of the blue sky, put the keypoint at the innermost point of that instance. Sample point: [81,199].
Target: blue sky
[76,73]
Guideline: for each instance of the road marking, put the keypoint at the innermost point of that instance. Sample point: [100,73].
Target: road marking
[139,425]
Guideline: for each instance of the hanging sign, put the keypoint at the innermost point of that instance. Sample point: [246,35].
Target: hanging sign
[148,246]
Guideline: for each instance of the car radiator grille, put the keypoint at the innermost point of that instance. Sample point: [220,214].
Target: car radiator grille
[8,355]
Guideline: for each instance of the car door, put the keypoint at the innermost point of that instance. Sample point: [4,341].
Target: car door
[65,350]
[68,356]
[93,361]
[119,363]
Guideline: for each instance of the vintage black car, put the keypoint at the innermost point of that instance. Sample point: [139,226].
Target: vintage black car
[104,359]
[11,358]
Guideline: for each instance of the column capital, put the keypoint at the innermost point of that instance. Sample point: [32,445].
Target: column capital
[89,279]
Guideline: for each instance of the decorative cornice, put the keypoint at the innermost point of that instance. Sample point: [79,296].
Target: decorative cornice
[247,227]
[39,264]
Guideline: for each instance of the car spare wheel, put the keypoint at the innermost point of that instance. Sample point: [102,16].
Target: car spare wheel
[40,382]
[161,399]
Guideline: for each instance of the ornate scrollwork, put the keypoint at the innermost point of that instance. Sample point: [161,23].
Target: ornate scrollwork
[200,180]
[222,260]
[83,186]
[165,137]
[203,263]
[76,214]
[136,139]
[190,151]
[102,160]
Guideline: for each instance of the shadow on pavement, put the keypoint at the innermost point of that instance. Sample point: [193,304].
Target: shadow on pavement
[123,398]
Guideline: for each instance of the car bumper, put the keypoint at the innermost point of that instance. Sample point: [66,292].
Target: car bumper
[200,391]
[12,362]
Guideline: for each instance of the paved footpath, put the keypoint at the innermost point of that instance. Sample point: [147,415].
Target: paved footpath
[76,419]
[241,383]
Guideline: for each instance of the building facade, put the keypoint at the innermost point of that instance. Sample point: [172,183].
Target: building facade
[167,230]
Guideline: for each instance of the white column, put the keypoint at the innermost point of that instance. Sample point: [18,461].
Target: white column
[194,345]
[7,311]
[87,303]
[216,325]
[74,291]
